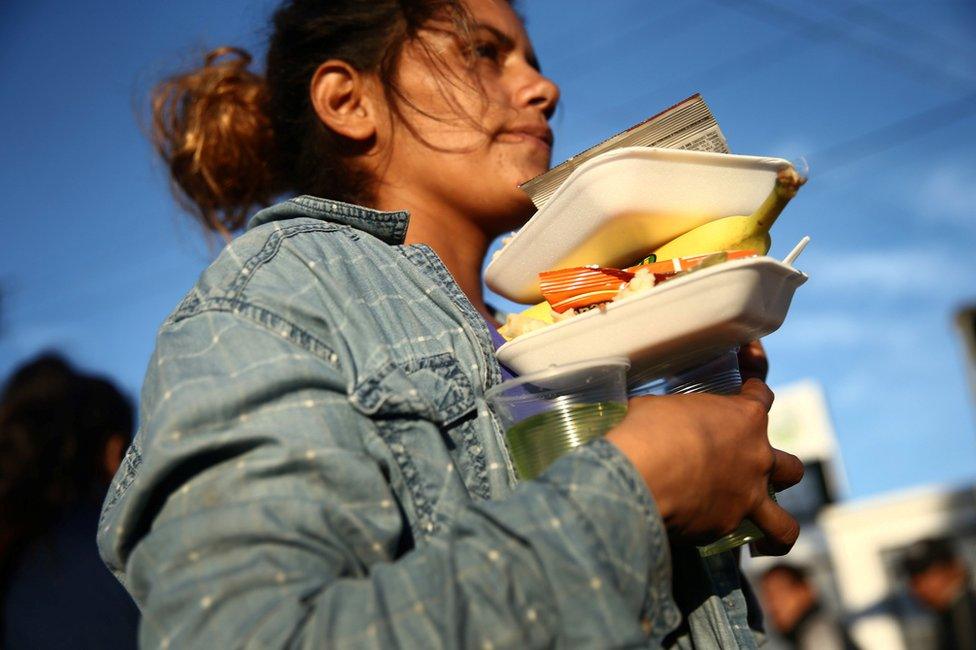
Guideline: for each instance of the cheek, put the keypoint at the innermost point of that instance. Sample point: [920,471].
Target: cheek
[928,586]
[519,164]
[498,174]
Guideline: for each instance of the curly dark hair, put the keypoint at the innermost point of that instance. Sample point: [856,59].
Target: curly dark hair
[54,425]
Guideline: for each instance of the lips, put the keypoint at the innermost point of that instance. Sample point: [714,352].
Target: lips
[520,133]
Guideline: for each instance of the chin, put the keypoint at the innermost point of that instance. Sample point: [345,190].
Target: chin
[516,210]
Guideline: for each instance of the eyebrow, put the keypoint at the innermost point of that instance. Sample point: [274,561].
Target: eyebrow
[508,42]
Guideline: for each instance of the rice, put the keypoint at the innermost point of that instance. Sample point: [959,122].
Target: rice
[643,280]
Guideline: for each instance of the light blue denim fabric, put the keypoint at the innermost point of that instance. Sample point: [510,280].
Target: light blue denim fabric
[316,466]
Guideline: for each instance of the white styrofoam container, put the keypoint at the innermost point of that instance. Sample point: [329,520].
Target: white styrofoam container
[614,209]
[673,326]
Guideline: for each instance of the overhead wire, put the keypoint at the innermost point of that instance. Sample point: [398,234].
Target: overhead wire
[889,135]
[833,156]
[797,25]
[751,59]
[885,137]
[865,144]
[780,15]
[673,24]
[886,24]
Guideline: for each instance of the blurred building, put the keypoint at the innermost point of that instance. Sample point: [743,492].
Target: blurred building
[868,540]
[853,551]
[800,423]
[966,326]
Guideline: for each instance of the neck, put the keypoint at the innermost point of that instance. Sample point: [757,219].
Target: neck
[460,243]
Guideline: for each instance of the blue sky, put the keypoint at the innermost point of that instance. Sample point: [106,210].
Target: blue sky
[878,97]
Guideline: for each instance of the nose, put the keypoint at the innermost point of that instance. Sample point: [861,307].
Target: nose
[539,91]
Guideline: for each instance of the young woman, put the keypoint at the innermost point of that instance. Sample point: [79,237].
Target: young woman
[316,464]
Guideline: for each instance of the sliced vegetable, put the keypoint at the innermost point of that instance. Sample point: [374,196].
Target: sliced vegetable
[585,286]
[581,286]
[670,267]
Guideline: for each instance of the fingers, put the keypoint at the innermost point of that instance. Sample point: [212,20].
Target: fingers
[780,528]
[757,390]
[753,362]
[787,470]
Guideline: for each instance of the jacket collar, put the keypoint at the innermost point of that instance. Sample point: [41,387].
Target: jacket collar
[390,227]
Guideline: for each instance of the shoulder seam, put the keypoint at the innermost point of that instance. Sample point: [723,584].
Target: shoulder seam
[268,320]
[270,249]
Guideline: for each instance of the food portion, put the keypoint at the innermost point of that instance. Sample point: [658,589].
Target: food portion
[571,291]
[585,286]
[738,232]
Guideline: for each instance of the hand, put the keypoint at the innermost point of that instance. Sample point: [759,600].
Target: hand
[753,362]
[707,461]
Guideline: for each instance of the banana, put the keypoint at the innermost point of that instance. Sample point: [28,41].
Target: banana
[541,312]
[737,232]
[534,317]
[728,233]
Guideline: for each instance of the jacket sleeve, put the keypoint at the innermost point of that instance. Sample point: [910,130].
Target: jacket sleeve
[250,512]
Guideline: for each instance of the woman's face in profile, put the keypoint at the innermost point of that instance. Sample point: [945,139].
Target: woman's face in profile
[479,116]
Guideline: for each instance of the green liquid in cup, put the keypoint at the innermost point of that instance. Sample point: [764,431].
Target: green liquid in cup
[538,440]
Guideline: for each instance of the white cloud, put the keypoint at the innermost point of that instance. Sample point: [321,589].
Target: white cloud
[835,330]
[854,388]
[948,195]
[795,150]
[888,271]
[823,329]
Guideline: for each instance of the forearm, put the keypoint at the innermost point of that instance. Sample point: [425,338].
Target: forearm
[259,507]
[567,561]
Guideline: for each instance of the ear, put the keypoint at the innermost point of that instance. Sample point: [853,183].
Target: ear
[112,454]
[343,100]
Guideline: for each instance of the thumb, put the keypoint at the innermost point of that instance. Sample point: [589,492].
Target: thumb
[756,389]
[779,527]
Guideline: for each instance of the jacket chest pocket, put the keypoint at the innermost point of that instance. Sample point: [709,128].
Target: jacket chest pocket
[424,410]
[433,388]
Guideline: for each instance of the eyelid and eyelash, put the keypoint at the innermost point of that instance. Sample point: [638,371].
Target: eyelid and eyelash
[496,52]
[489,49]
[503,43]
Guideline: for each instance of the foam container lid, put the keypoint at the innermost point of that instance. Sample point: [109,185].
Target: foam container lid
[672,326]
[617,207]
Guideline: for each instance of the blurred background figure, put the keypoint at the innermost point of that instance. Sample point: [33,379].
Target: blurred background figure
[795,611]
[62,436]
[940,580]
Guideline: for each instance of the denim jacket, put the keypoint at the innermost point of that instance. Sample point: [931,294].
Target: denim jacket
[316,466]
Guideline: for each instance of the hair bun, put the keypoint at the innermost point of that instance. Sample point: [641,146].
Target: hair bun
[211,127]
[213,56]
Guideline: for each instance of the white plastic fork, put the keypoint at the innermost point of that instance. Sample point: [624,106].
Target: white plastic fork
[795,253]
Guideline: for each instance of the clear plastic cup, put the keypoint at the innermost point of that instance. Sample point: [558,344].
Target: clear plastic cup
[547,413]
[719,376]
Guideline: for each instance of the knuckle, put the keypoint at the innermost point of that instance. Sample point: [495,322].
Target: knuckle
[783,540]
[798,469]
[790,533]
[760,494]
[755,411]
[728,525]
[792,470]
